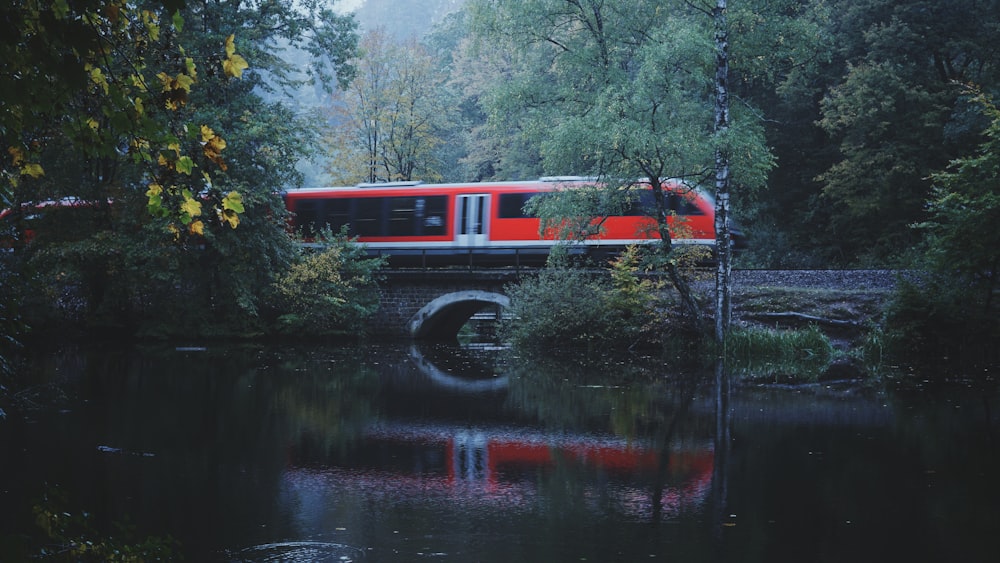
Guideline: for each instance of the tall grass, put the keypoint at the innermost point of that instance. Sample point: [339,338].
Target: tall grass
[763,353]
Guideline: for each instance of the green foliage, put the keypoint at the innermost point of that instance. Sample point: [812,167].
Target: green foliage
[964,211]
[952,311]
[769,354]
[122,81]
[611,90]
[73,536]
[937,318]
[154,249]
[329,291]
[862,117]
[575,308]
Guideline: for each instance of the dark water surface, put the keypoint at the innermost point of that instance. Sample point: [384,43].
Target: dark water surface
[398,453]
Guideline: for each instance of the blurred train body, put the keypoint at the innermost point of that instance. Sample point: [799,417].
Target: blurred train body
[484,222]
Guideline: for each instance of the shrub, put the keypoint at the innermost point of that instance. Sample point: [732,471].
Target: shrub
[938,316]
[328,291]
[568,307]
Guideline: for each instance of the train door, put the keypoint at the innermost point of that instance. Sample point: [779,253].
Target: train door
[473,218]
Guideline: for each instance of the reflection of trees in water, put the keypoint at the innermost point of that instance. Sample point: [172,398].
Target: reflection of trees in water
[326,398]
[638,403]
[631,401]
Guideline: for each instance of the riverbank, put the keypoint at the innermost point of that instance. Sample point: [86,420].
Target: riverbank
[846,306]
[841,302]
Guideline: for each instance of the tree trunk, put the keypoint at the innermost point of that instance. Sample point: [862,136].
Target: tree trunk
[723,248]
[666,240]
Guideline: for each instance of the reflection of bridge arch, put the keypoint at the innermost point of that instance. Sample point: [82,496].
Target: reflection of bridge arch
[442,318]
[455,382]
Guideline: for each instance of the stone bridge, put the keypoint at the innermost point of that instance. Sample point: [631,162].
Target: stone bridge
[433,304]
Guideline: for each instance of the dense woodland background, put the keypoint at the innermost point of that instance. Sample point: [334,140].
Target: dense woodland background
[864,131]
[861,101]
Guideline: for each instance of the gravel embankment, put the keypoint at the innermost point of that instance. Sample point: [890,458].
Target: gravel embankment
[861,280]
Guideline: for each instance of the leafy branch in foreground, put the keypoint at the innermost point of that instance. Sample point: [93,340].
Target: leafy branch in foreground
[110,79]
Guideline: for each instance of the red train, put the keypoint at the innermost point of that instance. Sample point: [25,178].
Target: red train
[482,222]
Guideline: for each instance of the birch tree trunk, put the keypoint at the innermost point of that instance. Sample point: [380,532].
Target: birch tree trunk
[723,248]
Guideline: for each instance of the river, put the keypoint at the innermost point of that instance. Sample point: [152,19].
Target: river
[396,452]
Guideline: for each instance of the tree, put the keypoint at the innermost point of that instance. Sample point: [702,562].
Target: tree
[723,247]
[388,125]
[621,92]
[897,115]
[949,309]
[83,77]
[170,132]
[964,211]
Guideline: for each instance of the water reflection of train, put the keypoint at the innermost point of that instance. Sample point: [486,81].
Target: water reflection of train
[507,466]
[449,222]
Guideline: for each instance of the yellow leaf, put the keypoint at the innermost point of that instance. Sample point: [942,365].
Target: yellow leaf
[97,77]
[154,189]
[233,201]
[185,165]
[32,169]
[93,124]
[191,207]
[152,24]
[197,228]
[234,66]
[231,217]
[212,146]
[191,68]
[184,82]
[165,80]
[138,82]
[16,155]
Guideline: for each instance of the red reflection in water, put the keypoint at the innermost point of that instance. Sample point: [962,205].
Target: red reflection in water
[501,468]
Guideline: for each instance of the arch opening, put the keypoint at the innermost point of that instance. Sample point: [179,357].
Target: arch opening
[442,318]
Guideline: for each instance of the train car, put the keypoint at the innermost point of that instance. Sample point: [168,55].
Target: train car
[482,223]
[75,218]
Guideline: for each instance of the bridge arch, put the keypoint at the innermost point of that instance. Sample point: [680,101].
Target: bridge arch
[442,318]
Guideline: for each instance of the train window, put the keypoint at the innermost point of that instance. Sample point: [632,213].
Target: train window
[307,215]
[403,215]
[417,216]
[337,213]
[512,205]
[683,204]
[435,215]
[368,217]
[642,204]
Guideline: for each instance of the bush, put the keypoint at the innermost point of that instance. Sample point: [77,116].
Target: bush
[938,317]
[573,308]
[328,291]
